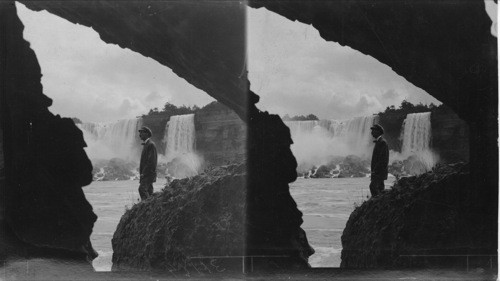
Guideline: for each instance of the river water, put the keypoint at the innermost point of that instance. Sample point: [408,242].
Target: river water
[325,203]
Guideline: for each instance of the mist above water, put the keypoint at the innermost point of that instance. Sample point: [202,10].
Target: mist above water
[319,142]
[106,141]
[112,140]
[316,142]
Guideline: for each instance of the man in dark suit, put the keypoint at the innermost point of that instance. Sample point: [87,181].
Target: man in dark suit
[380,161]
[147,167]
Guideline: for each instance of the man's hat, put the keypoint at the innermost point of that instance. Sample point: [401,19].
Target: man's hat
[377,127]
[146,129]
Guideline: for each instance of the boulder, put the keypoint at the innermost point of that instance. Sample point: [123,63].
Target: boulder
[322,172]
[114,169]
[354,167]
[427,215]
[203,216]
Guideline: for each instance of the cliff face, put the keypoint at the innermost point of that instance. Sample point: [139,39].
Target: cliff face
[450,137]
[220,136]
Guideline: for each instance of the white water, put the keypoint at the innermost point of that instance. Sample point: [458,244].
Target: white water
[180,141]
[325,203]
[355,132]
[112,140]
[416,133]
[416,136]
[179,136]
[316,142]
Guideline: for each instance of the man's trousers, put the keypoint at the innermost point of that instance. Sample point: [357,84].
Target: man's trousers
[145,190]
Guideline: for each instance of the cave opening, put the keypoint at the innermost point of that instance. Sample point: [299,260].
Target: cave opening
[479,139]
[329,96]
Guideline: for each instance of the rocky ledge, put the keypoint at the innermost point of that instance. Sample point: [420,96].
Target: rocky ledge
[183,227]
[429,220]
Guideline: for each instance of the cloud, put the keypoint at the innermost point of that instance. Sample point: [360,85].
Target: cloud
[153,96]
[390,94]
[126,106]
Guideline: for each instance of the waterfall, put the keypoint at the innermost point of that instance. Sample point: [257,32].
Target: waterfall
[180,136]
[182,160]
[416,137]
[354,132]
[416,133]
[112,140]
[316,142]
[300,127]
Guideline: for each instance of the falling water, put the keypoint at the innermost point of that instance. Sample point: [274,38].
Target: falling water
[300,127]
[416,138]
[180,136]
[416,133]
[180,147]
[112,140]
[355,132]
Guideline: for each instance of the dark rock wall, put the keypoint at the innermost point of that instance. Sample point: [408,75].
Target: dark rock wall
[272,215]
[45,164]
[220,136]
[450,137]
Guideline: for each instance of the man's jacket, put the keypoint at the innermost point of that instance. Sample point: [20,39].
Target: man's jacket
[149,159]
[380,159]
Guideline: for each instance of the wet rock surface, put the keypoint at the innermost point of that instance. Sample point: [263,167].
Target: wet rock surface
[202,216]
[435,213]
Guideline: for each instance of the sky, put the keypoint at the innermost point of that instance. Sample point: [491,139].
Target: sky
[291,68]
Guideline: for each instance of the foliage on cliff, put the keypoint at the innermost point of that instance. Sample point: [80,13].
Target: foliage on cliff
[172,110]
[432,214]
[214,106]
[300,117]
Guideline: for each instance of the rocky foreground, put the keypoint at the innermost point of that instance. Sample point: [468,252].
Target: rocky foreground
[429,220]
[203,216]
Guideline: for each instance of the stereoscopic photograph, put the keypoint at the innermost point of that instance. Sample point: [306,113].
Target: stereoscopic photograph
[248,140]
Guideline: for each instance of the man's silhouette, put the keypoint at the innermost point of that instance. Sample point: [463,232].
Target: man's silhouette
[147,167]
[380,160]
